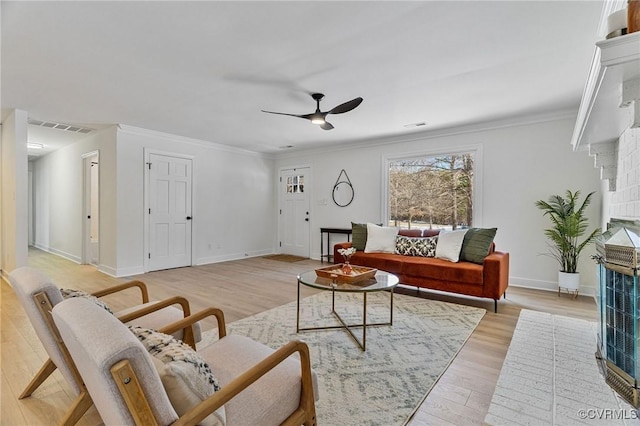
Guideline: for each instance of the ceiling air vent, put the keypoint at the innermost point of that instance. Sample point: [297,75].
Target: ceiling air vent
[60,126]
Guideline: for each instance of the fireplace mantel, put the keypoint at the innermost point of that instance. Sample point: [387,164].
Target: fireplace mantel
[601,118]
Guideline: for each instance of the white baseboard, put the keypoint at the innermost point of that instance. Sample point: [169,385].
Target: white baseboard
[121,272]
[68,256]
[232,256]
[586,290]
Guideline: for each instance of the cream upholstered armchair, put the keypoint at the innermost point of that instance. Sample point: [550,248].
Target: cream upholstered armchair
[257,385]
[38,294]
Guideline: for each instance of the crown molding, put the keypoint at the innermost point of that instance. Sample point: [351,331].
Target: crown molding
[517,121]
[133,130]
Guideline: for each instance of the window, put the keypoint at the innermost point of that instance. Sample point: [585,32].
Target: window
[434,191]
[295,184]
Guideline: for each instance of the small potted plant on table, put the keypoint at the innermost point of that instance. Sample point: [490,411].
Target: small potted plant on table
[569,223]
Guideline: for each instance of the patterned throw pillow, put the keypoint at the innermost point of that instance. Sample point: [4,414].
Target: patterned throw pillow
[185,375]
[403,245]
[426,246]
[416,246]
[69,292]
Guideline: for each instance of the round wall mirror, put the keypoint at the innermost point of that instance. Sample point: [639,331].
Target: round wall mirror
[343,194]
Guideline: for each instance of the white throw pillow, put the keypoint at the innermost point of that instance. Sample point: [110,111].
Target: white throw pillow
[380,239]
[450,244]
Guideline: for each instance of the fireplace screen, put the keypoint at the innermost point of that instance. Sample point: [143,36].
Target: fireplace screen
[618,306]
[621,319]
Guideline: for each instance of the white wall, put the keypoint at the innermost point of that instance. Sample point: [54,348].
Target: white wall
[13,192]
[235,193]
[234,207]
[58,188]
[520,164]
[233,199]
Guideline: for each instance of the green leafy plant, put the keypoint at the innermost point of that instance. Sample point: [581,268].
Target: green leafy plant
[569,224]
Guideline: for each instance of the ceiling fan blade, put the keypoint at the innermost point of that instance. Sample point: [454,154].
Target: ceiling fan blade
[346,107]
[326,126]
[291,115]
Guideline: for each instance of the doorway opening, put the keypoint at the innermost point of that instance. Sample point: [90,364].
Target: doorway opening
[91,206]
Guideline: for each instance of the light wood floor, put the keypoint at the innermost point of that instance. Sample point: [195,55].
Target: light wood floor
[243,288]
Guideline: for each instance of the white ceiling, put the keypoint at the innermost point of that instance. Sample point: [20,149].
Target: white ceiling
[205,69]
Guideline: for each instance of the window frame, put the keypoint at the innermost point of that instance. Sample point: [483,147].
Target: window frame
[478,171]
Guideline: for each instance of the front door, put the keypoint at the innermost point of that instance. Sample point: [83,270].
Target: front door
[169,211]
[294,212]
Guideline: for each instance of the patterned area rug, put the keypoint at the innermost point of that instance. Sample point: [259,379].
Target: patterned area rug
[550,376]
[388,382]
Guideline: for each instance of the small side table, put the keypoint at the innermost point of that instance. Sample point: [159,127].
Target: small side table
[329,231]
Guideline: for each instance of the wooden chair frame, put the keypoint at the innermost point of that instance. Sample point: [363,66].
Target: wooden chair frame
[83,401]
[139,408]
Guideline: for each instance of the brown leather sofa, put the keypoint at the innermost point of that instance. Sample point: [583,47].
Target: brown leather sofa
[488,280]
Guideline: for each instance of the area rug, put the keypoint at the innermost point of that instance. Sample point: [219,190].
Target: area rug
[385,384]
[550,376]
[285,257]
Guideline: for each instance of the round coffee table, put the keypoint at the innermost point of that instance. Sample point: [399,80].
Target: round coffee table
[382,281]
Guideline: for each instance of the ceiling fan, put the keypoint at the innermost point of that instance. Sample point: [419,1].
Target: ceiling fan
[319,117]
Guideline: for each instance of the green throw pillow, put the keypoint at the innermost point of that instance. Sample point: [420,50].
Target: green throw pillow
[476,244]
[358,235]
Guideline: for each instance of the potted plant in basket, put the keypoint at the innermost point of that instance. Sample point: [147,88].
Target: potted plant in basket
[569,223]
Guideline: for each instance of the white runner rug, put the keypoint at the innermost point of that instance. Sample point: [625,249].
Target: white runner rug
[550,376]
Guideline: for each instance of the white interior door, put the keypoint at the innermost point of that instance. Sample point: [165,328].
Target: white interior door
[169,211]
[294,212]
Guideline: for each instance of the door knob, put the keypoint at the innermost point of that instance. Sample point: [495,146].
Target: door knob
[188,217]
[306,219]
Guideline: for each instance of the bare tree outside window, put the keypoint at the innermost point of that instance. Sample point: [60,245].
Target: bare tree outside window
[431,192]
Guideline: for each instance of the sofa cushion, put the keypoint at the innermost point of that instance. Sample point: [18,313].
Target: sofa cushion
[416,246]
[443,270]
[428,268]
[269,400]
[450,244]
[477,243]
[388,262]
[358,235]
[380,239]
[410,232]
[430,232]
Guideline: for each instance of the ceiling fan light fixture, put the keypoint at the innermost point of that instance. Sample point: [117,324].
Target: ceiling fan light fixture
[317,119]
